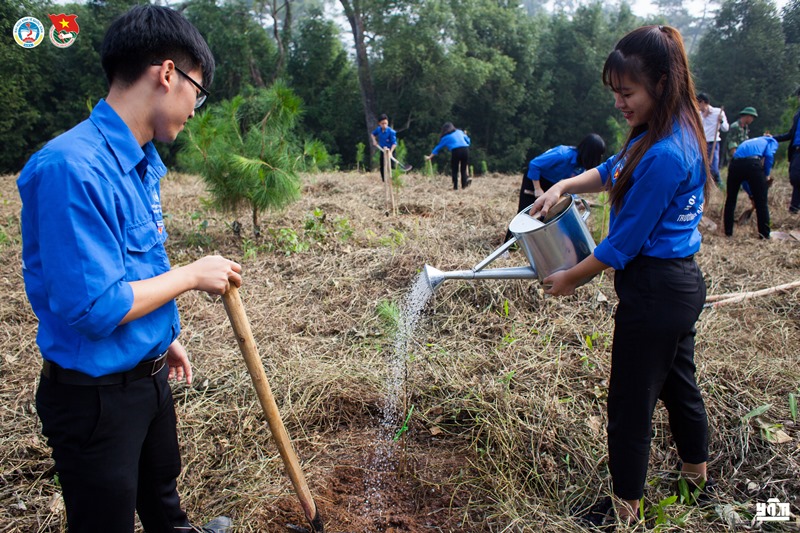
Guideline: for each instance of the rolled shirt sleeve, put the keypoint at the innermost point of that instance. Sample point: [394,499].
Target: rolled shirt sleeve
[661,209]
[84,270]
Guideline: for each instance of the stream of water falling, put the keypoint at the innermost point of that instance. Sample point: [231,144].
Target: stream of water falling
[382,462]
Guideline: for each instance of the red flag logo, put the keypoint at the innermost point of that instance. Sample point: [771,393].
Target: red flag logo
[65,23]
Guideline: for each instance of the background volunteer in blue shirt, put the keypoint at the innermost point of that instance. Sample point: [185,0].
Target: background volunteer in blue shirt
[100,282]
[657,188]
[457,141]
[752,163]
[556,164]
[385,139]
[793,136]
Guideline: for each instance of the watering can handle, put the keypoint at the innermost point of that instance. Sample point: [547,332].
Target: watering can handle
[586,211]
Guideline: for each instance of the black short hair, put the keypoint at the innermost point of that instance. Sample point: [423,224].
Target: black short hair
[382,116]
[703,97]
[147,34]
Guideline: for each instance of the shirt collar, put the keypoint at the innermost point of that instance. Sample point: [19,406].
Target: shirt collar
[121,141]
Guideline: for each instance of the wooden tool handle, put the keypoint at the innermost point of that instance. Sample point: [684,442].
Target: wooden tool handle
[247,345]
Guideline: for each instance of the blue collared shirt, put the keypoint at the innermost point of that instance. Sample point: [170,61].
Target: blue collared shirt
[386,138]
[556,164]
[91,224]
[759,147]
[661,210]
[451,141]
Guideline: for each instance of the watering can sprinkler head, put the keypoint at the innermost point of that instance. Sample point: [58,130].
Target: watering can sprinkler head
[434,276]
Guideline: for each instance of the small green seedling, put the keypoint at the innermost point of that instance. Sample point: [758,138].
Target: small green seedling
[404,427]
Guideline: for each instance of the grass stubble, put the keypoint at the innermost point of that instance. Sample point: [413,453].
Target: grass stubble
[508,385]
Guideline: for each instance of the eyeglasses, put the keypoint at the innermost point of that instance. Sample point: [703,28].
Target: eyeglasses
[201,96]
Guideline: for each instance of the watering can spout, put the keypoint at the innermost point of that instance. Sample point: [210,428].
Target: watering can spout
[436,277]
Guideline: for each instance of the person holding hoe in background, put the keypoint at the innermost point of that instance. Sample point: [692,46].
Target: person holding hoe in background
[556,164]
[751,164]
[793,136]
[100,283]
[457,141]
[657,186]
[384,139]
[714,121]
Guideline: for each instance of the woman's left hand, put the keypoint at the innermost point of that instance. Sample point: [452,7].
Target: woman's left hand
[178,361]
[559,283]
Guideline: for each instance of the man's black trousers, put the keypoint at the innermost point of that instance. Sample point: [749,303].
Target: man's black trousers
[116,452]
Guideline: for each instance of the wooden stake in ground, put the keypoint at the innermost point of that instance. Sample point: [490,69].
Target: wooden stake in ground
[388,188]
[247,344]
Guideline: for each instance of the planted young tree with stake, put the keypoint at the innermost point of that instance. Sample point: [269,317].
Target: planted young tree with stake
[246,151]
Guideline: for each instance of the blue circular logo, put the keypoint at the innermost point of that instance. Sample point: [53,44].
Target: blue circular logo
[28,32]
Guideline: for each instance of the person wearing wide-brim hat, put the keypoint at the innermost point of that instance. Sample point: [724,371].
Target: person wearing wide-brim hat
[740,129]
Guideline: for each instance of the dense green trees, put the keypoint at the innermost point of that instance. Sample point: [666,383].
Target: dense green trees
[518,78]
[245,54]
[322,75]
[743,61]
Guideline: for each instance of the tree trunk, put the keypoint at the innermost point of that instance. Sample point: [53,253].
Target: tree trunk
[352,10]
[281,37]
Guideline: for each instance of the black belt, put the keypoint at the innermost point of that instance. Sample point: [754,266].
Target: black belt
[65,376]
[656,260]
[748,158]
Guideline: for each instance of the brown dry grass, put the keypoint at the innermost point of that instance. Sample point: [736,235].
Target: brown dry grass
[508,427]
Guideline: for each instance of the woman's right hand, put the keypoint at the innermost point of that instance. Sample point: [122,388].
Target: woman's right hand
[544,202]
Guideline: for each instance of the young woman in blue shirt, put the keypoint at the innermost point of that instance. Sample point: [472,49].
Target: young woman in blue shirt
[457,141]
[556,164]
[559,163]
[657,186]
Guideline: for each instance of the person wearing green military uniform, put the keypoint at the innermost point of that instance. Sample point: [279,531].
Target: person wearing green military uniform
[740,129]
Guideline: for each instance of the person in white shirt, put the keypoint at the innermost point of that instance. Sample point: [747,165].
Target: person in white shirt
[714,121]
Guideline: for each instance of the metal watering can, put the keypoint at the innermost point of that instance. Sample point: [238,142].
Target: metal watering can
[559,242]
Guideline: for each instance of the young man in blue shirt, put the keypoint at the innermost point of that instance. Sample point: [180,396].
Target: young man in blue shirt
[99,280]
[385,139]
[752,163]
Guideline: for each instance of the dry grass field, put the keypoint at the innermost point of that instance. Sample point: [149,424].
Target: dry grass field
[507,386]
